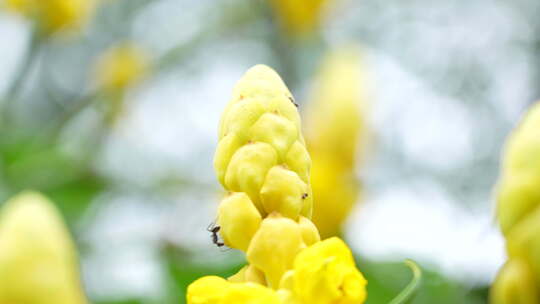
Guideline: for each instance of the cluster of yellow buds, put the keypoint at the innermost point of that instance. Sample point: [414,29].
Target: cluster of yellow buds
[518,212]
[38,261]
[333,130]
[261,159]
[297,17]
[53,15]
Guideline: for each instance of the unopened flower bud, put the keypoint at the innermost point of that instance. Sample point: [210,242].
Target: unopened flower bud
[248,273]
[238,220]
[283,191]
[274,247]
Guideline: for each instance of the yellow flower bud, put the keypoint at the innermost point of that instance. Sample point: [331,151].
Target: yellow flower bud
[514,284]
[309,231]
[38,261]
[121,66]
[248,168]
[275,130]
[523,241]
[298,160]
[248,273]
[227,146]
[335,125]
[325,273]
[238,220]
[274,247]
[518,195]
[215,290]
[261,151]
[283,191]
[523,148]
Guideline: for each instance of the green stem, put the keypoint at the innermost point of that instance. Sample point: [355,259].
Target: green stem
[20,75]
[24,68]
[408,292]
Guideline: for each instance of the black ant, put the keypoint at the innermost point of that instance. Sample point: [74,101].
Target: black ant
[292,100]
[214,229]
[304,196]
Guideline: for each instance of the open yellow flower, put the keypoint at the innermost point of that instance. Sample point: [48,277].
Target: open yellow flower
[326,273]
[38,261]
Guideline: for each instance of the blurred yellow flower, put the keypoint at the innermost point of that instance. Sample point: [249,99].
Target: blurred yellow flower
[38,261]
[121,66]
[298,17]
[335,131]
[53,15]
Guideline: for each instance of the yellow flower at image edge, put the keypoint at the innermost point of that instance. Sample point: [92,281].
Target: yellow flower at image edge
[38,261]
[121,66]
[326,273]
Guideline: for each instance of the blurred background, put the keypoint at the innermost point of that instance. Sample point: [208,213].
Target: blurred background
[111,109]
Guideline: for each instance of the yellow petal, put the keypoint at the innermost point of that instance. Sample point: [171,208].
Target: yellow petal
[207,290]
[250,293]
[325,272]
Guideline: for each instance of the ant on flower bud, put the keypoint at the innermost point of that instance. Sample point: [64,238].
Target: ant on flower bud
[304,196]
[214,229]
[292,100]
